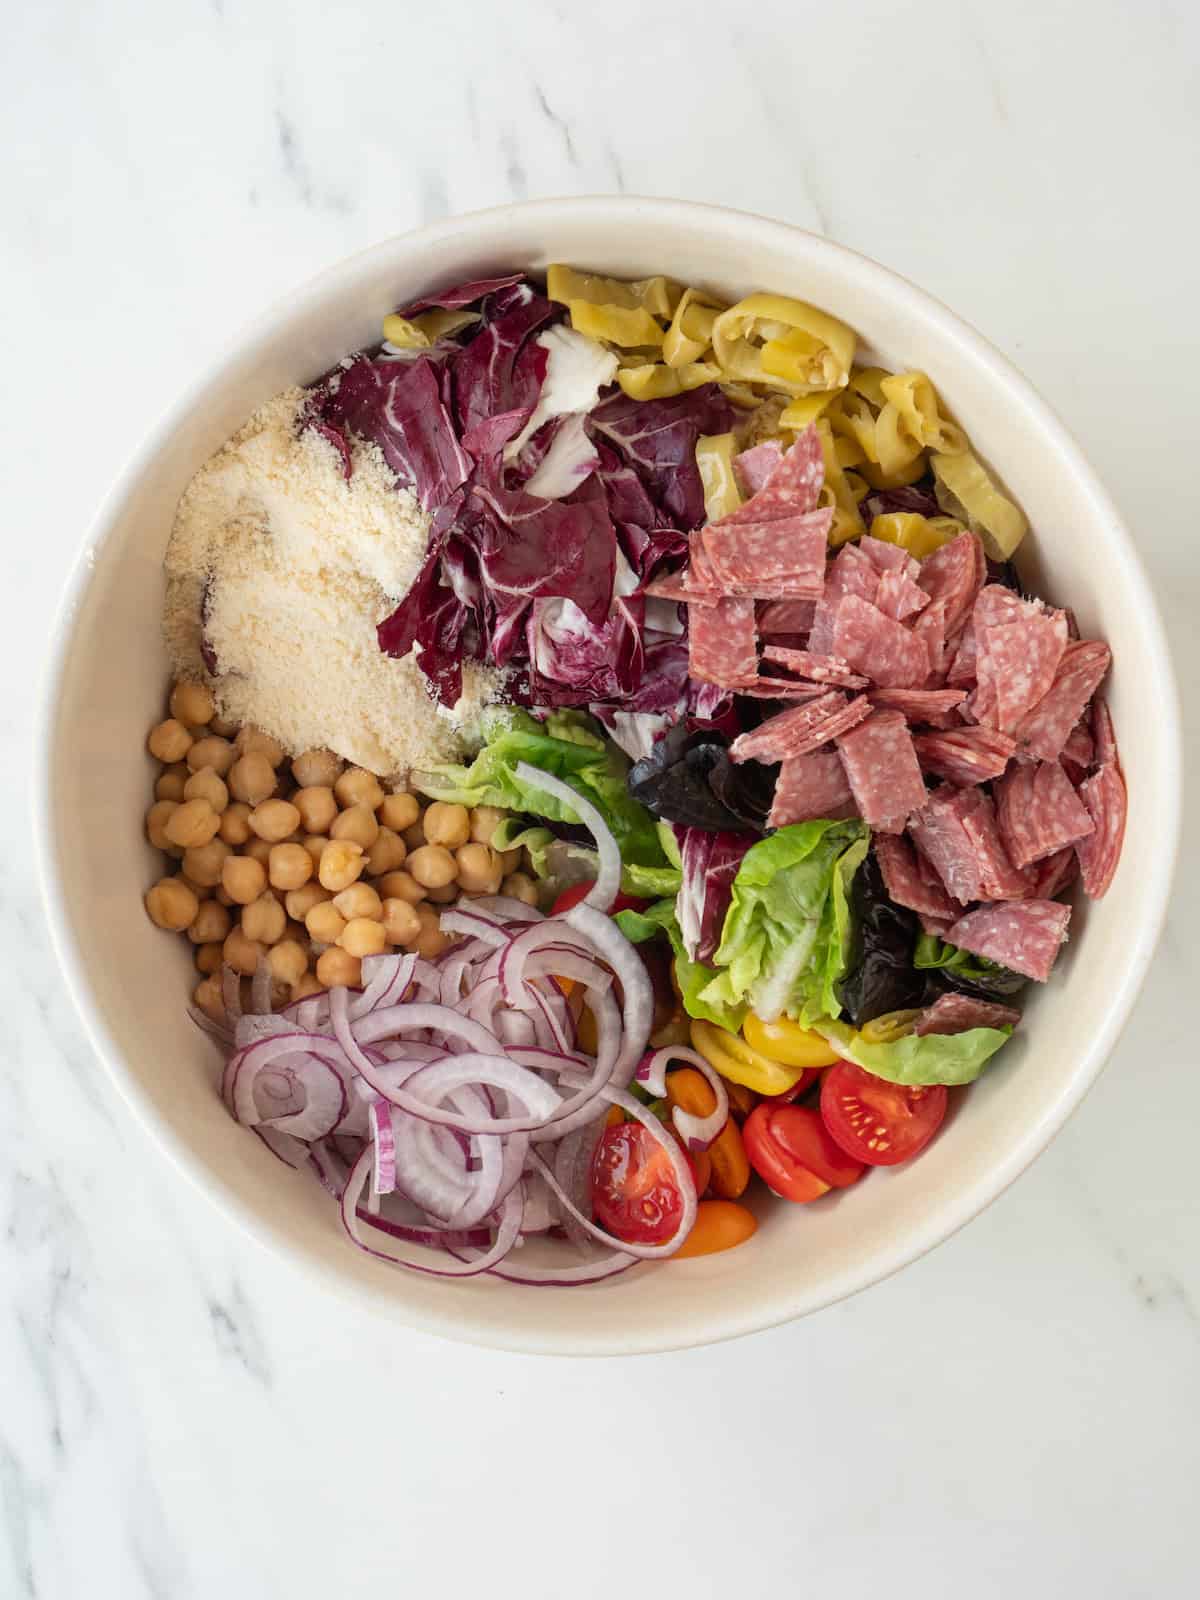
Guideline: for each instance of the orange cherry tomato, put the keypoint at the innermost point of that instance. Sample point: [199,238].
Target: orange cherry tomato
[720,1225]
[691,1091]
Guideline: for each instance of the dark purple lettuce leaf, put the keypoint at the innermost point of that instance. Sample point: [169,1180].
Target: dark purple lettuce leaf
[746,789]
[710,864]
[503,366]
[882,502]
[657,438]
[672,782]
[401,407]
[463,294]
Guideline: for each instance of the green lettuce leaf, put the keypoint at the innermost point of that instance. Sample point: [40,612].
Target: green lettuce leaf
[936,1058]
[787,933]
[575,727]
[560,863]
[693,977]
[932,952]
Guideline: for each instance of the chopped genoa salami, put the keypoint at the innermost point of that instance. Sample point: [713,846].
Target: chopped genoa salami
[1025,936]
[962,668]
[809,787]
[1104,796]
[1055,873]
[780,689]
[931,626]
[1104,738]
[898,596]
[722,646]
[1078,756]
[801,729]
[937,830]
[831,670]
[754,467]
[964,755]
[1038,811]
[955,574]
[890,654]
[907,884]
[848,573]
[682,585]
[786,616]
[1020,644]
[792,489]
[886,557]
[999,878]
[959,1013]
[918,705]
[939,927]
[780,559]
[881,764]
[1044,731]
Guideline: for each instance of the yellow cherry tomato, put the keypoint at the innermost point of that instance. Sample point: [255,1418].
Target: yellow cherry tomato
[786,1041]
[740,1062]
[720,1224]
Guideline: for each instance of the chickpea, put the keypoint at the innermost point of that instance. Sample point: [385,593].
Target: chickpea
[171,904]
[479,869]
[193,822]
[401,924]
[223,896]
[264,920]
[359,900]
[341,864]
[317,806]
[202,891]
[431,941]
[484,822]
[357,823]
[235,823]
[414,836]
[208,958]
[288,961]
[325,922]
[210,925]
[519,886]
[363,936]
[445,896]
[253,741]
[510,860]
[447,824]
[207,997]
[337,968]
[296,931]
[289,866]
[159,814]
[211,752]
[317,769]
[252,778]
[223,727]
[358,787]
[432,866]
[274,820]
[400,886]
[309,985]
[241,953]
[299,902]
[399,811]
[243,879]
[206,785]
[203,863]
[169,741]
[386,854]
[192,703]
[315,844]
[170,782]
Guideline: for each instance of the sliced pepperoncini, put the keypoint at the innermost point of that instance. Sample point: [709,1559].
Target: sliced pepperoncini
[919,535]
[783,343]
[654,381]
[741,1063]
[405,335]
[714,458]
[892,1025]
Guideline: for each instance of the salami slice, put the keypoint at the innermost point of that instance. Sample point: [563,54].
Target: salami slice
[792,489]
[801,729]
[886,557]
[890,654]
[1038,811]
[1104,739]
[882,767]
[999,877]
[1017,661]
[1079,752]
[1044,730]
[898,596]
[786,616]
[683,585]
[831,670]
[722,645]
[918,705]
[905,882]
[938,832]
[771,559]
[964,755]
[939,927]
[955,574]
[1025,937]
[1055,873]
[959,1013]
[962,668]
[848,573]
[931,627]
[755,466]
[1104,796]
[809,787]
[762,688]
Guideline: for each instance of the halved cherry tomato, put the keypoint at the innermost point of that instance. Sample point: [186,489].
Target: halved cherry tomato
[797,1089]
[572,896]
[720,1225]
[635,1194]
[699,1160]
[879,1122]
[790,1149]
[738,1062]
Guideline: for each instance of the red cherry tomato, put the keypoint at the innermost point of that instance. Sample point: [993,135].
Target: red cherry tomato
[635,1193]
[879,1122]
[803,1082]
[572,896]
[790,1149]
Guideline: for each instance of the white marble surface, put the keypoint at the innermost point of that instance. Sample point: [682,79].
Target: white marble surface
[178,1416]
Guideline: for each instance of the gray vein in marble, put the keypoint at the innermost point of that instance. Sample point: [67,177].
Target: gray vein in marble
[237,1335]
[990,77]
[559,124]
[17,1499]
[514,168]
[297,169]
[618,170]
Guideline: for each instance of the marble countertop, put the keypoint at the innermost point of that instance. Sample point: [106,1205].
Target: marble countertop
[179,1415]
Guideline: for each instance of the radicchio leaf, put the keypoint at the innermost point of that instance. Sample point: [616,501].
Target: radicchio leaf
[462,294]
[710,864]
[657,438]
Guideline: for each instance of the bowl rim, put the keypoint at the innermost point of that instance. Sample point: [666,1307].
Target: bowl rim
[731,1320]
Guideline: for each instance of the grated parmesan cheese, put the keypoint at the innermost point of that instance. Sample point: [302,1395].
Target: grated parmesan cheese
[294,567]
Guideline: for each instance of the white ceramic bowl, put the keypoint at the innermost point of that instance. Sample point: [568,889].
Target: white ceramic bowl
[106,686]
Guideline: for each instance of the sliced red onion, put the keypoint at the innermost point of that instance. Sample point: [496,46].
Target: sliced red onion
[260,988]
[383,1173]
[697,1133]
[623,958]
[507,1232]
[608,879]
